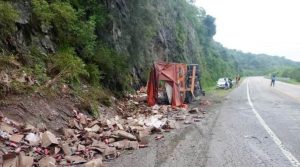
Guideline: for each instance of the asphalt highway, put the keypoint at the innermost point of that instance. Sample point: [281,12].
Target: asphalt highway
[256,125]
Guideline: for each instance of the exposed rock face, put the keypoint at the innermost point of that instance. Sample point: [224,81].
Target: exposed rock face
[142,31]
[161,21]
[24,9]
[28,35]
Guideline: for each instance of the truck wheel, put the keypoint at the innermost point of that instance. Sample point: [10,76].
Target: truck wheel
[189,97]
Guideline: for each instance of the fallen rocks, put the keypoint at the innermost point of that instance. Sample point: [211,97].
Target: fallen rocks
[194,111]
[10,160]
[187,122]
[180,118]
[110,153]
[94,163]
[120,145]
[33,139]
[75,159]
[28,127]
[134,145]
[25,161]
[155,121]
[95,128]
[7,128]
[48,138]
[68,133]
[144,136]
[4,134]
[159,137]
[124,135]
[88,141]
[66,149]
[197,120]
[16,138]
[47,162]
[172,124]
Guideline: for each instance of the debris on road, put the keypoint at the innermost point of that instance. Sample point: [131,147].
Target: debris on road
[90,141]
[16,138]
[194,111]
[47,162]
[48,138]
[94,163]
[197,120]
[159,137]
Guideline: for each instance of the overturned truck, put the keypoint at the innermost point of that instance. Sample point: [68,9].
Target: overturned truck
[173,83]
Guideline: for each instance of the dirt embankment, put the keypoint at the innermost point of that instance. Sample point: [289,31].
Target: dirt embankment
[36,110]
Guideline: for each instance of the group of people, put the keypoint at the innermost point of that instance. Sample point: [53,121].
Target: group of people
[229,84]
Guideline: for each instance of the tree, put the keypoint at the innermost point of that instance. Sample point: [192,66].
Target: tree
[209,22]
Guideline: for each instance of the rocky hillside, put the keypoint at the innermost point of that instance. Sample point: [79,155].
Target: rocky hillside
[116,39]
[49,44]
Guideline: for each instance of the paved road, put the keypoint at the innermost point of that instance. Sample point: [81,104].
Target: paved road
[260,127]
[256,126]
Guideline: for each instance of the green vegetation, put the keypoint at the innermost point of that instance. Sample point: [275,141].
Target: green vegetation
[81,57]
[42,11]
[69,66]
[8,18]
[292,74]
[7,62]
[91,97]
[113,44]
[261,64]
[76,25]
[114,67]
[94,74]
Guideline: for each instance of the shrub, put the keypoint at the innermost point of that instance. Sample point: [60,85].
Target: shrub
[20,88]
[59,14]
[84,33]
[40,74]
[114,67]
[70,67]
[42,11]
[8,62]
[8,18]
[37,56]
[181,36]
[94,74]
[65,15]
[89,8]
[91,98]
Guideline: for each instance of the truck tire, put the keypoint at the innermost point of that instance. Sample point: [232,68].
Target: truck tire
[188,97]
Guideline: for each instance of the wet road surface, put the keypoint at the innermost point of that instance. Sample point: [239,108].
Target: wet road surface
[255,126]
[258,127]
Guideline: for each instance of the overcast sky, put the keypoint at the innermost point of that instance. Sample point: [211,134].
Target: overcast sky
[257,26]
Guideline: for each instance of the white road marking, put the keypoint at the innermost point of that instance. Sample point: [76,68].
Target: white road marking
[284,150]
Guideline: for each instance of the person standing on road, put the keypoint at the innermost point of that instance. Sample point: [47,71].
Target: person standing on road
[237,79]
[273,78]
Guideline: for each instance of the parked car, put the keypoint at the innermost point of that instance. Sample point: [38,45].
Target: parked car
[224,83]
